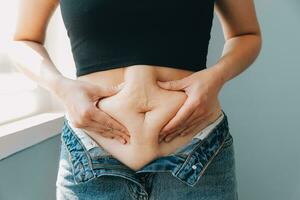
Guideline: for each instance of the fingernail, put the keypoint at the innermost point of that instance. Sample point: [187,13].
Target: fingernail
[160,139]
[167,139]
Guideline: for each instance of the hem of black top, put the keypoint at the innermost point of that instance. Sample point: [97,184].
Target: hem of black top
[119,64]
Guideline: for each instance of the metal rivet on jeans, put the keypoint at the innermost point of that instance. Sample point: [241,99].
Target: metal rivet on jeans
[194,167]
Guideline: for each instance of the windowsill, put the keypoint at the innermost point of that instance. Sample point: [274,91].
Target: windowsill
[27,132]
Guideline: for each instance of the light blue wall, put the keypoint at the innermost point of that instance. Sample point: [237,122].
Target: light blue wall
[263,106]
[30,174]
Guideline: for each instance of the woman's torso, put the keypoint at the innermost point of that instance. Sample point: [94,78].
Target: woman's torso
[143,108]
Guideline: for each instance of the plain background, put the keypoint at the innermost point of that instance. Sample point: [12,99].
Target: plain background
[262,105]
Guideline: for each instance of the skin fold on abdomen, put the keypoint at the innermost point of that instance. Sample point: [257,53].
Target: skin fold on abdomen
[143,108]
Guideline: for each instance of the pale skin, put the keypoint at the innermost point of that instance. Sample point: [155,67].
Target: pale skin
[242,45]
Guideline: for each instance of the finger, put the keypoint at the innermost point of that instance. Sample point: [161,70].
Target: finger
[107,121]
[194,118]
[109,134]
[199,114]
[120,139]
[122,135]
[183,130]
[119,134]
[190,126]
[190,121]
[174,134]
[171,137]
[97,127]
[115,125]
[186,130]
[112,136]
[193,125]
[184,112]
[173,85]
[177,131]
[100,132]
[111,90]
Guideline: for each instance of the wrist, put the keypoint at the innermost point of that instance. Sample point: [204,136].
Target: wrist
[217,75]
[60,85]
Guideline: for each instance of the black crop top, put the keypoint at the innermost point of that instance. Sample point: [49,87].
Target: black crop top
[107,34]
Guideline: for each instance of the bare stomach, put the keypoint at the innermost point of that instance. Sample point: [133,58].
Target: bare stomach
[143,108]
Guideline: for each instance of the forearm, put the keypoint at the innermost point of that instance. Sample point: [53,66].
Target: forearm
[33,60]
[238,54]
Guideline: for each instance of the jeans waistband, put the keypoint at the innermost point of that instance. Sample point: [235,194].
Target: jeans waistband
[187,164]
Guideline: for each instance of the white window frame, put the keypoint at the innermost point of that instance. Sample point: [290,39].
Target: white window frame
[27,132]
[47,120]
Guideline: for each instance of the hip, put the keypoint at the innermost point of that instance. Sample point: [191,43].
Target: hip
[203,168]
[144,108]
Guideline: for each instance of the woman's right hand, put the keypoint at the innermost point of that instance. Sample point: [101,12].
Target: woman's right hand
[80,100]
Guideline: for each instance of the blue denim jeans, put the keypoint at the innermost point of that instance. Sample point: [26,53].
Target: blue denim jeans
[204,169]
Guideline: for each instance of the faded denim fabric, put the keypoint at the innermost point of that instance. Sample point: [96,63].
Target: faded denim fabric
[204,169]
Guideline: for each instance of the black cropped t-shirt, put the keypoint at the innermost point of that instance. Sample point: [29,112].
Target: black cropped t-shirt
[107,34]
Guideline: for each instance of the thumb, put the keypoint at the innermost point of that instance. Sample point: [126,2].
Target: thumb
[111,90]
[172,85]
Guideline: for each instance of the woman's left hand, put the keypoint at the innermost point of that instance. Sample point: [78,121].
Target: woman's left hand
[202,89]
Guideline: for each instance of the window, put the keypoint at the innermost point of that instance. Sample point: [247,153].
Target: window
[20,97]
